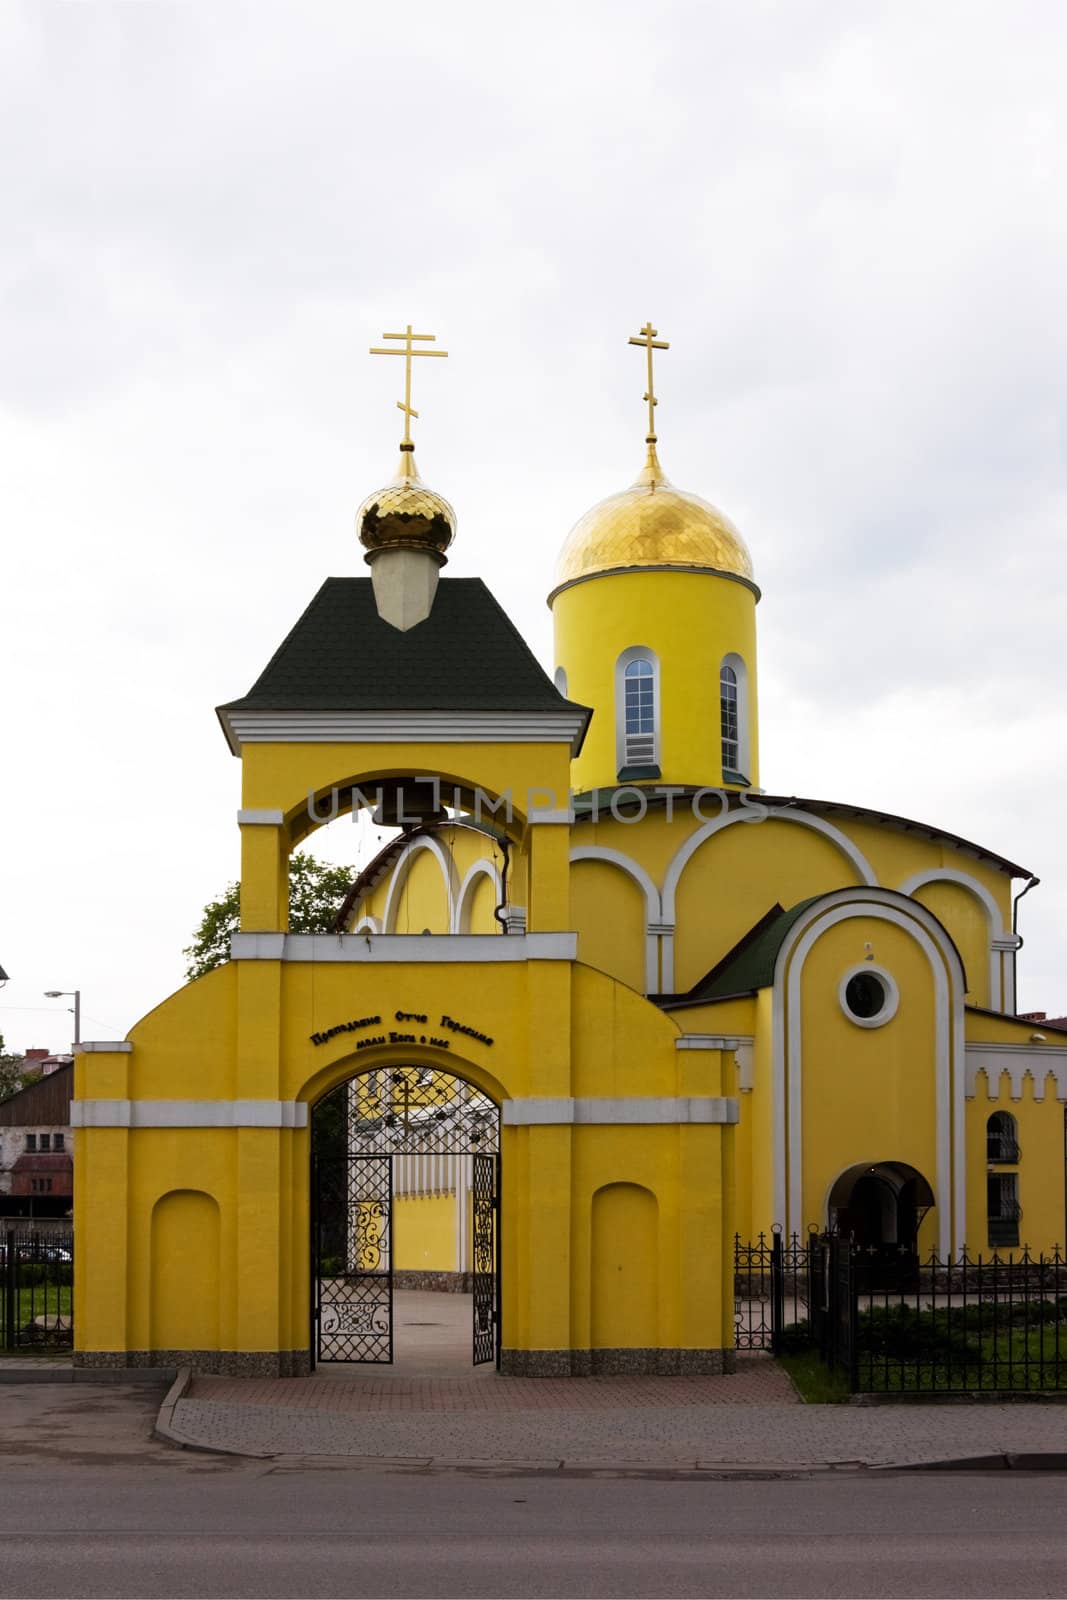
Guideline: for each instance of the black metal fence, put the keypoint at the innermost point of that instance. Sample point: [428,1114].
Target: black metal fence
[893,1322]
[772,1290]
[36,1288]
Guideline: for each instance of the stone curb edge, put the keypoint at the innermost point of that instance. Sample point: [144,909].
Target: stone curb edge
[28,1374]
[166,1430]
[1000,1461]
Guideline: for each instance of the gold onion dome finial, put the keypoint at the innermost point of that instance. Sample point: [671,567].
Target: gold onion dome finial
[652,524]
[406,527]
[406,515]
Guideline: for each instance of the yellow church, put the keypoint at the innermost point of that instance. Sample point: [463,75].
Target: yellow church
[599,1006]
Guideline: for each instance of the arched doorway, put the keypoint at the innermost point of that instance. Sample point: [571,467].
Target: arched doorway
[382,1143]
[881,1206]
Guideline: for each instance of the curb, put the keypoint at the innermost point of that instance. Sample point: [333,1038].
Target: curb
[1007,1461]
[10,1373]
[166,1431]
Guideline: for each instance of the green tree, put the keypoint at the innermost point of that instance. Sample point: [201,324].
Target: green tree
[316,891]
[12,1077]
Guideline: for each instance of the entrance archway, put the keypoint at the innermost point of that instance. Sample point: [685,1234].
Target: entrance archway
[387,1144]
[881,1205]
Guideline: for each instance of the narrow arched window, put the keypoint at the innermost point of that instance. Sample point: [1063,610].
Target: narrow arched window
[733,719]
[728,714]
[1002,1138]
[637,691]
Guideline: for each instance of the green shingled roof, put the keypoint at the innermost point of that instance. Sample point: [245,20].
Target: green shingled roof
[750,964]
[466,656]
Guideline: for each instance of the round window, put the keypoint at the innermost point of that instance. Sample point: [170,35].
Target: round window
[868,996]
[865,995]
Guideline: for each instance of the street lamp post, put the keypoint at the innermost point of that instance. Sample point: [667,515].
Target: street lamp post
[59,994]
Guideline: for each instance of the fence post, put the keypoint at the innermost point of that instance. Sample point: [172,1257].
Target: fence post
[777,1293]
[11,1290]
[853,1320]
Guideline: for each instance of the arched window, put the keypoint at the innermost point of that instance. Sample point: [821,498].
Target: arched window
[728,714]
[1002,1138]
[637,713]
[733,719]
[560,680]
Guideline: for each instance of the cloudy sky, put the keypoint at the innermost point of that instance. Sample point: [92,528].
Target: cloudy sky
[847,218]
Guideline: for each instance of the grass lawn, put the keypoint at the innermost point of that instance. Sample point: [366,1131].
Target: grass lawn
[815,1383]
[1027,1361]
[33,1302]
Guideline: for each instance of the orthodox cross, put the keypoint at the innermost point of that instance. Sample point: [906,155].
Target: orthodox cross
[408,352]
[647,337]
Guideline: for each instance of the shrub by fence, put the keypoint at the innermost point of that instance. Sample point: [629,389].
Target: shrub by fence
[895,1323]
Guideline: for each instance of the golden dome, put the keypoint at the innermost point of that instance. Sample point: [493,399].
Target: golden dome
[406,515]
[652,524]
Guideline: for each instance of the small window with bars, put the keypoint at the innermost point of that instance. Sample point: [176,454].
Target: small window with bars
[639,712]
[1003,1209]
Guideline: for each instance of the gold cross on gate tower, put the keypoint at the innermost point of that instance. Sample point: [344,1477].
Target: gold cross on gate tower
[408,352]
[647,337]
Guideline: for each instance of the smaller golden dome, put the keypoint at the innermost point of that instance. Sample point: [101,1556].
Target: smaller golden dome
[406,515]
[652,524]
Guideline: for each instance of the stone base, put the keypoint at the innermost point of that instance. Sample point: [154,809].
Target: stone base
[625,1363]
[434,1282]
[222,1363]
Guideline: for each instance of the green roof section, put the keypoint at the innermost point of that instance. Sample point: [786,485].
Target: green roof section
[750,964]
[466,656]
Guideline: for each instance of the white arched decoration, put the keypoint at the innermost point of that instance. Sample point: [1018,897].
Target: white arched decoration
[950,1182]
[750,818]
[405,862]
[482,868]
[1001,940]
[654,924]
[368,924]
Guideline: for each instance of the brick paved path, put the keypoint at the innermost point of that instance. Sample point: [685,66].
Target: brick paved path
[757,1380]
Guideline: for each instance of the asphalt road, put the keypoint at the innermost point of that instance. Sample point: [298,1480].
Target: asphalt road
[214,1529]
[92,1505]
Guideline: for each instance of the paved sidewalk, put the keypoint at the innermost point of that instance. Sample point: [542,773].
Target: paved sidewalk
[665,1423]
[431,1410]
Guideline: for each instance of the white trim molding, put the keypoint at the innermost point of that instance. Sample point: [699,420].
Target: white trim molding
[188,1114]
[402,869]
[1001,975]
[950,1181]
[402,727]
[461,909]
[368,924]
[413,948]
[260,819]
[712,1041]
[890,995]
[635,1111]
[1019,1061]
[655,928]
[103,1047]
[685,852]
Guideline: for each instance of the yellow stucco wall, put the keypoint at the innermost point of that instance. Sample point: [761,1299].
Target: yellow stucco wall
[424,1233]
[690,621]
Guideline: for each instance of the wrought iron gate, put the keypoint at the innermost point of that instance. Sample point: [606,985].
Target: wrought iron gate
[353,1258]
[485,1240]
[398,1132]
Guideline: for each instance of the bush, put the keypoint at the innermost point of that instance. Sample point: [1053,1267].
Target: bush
[31,1274]
[796,1337]
[900,1333]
